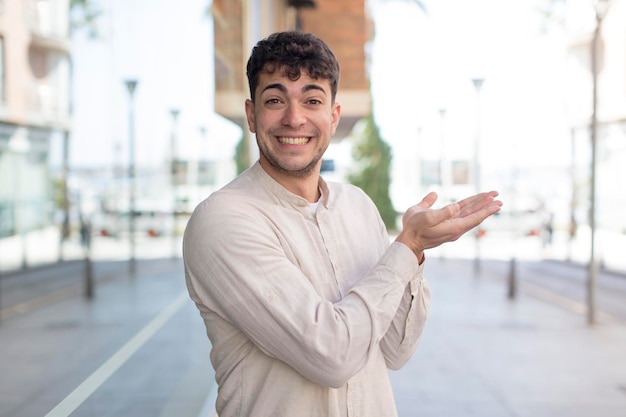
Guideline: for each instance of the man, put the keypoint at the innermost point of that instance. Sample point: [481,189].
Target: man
[305,301]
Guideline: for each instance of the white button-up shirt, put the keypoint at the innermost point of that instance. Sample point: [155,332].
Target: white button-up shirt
[305,309]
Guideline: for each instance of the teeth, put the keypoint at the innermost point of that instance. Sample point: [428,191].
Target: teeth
[293,141]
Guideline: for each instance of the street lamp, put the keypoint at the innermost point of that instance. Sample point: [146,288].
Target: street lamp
[203,161]
[174,179]
[131,84]
[19,145]
[444,168]
[478,83]
[601,8]
[443,162]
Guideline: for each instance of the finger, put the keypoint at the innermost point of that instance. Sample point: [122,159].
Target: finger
[446,225]
[474,219]
[436,217]
[428,200]
[467,203]
[425,204]
[478,202]
[472,199]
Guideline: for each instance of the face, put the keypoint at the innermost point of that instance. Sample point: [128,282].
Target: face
[293,122]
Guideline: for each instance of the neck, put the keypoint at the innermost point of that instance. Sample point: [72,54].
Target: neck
[305,186]
[309,191]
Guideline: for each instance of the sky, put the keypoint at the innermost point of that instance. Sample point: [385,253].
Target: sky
[166,46]
[434,58]
[420,63]
[423,63]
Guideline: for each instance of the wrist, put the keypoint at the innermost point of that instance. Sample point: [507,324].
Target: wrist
[410,243]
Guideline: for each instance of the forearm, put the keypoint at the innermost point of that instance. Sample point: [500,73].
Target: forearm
[278,310]
[407,327]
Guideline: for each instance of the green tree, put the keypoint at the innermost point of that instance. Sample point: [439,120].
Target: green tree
[241,155]
[84,15]
[372,161]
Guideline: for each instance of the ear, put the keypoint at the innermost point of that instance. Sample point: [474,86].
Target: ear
[335,116]
[250,115]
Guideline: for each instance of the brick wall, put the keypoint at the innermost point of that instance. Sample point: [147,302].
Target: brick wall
[346,28]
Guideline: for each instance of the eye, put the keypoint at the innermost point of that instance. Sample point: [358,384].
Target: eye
[274,103]
[314,101]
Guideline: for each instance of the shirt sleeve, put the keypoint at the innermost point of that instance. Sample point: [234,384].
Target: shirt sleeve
[405,331]
[238,270]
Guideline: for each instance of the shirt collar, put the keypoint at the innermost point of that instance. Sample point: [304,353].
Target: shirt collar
[282,193]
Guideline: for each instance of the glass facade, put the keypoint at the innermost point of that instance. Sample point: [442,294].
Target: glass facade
[25,188]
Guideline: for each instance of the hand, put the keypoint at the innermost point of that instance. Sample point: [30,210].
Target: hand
[424,228]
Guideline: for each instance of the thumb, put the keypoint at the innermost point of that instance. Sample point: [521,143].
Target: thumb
[425,204]
[429,200]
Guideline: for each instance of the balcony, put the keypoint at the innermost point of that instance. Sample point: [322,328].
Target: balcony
[48,23]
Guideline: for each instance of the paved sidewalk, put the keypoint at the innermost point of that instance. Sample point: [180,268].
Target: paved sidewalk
[481,354]
[484,355]
[137,349]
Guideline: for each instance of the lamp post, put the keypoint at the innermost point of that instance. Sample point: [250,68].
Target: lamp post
[601,8]
[19,146]
[443,162]
[65,201]
[478,83]
[174,179]
[131,84]
[444,169]
[203,161]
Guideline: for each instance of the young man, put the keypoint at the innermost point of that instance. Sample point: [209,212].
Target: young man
[305,301]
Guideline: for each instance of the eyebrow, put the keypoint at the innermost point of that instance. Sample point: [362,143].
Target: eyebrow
[283,89]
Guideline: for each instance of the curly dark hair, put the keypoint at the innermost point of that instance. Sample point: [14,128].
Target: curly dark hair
[293,52]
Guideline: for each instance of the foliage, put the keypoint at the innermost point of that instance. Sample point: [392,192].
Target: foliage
[84,15]
[58,193]
[371,171]
[241,155]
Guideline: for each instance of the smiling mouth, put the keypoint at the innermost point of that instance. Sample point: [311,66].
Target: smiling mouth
[293,141]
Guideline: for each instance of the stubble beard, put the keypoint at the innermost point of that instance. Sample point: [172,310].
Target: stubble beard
[301,172]
[285,167]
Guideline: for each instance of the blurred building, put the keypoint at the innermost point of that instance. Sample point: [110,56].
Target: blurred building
[34,107]
[344,25]
[609,17]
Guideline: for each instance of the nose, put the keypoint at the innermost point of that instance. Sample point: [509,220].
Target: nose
[294,116]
